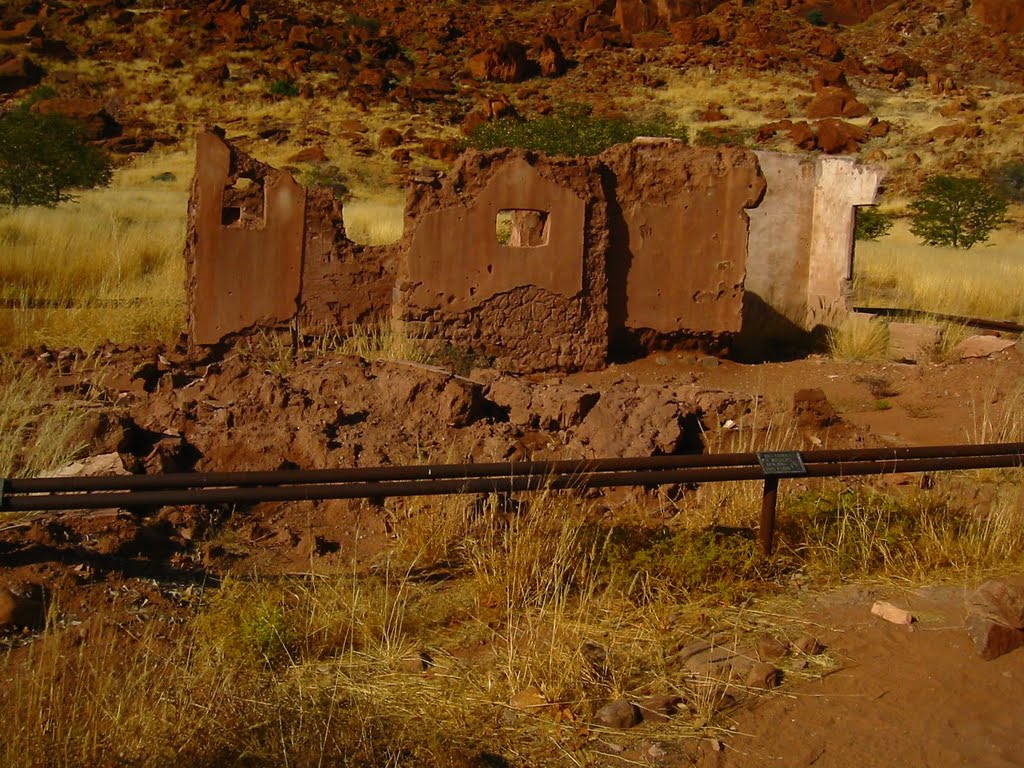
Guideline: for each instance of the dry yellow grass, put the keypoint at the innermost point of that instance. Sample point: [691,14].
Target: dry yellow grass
[39,431]
[113,258]
[374,222]
[414,663]
[898,271]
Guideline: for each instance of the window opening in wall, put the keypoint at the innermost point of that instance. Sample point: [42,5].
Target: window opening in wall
[243,204]
[871,264]
[374,221]
[522,227]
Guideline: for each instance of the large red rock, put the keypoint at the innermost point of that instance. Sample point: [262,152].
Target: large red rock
[836,136]
[19,72]
[1000,15]
[835,102]
[696,32]
[504,62]
[634,16]
[89,113]
[552,60]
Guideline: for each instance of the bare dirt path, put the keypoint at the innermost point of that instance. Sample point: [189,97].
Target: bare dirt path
[898,697]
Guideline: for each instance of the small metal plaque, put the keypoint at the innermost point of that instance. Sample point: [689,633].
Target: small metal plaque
[781,463]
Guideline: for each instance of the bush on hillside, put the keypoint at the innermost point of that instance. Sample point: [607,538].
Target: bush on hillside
[573,130]
[956,211]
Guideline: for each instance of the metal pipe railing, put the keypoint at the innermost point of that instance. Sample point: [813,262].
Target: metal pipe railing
[53,494]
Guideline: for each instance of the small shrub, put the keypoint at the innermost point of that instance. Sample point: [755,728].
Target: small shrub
[872,224]
[284,88]
[859,338]
[572,131]
[717,137]
[816,18]
[329,176]
[362,22]
[460,360]
[957,211]
[44,156]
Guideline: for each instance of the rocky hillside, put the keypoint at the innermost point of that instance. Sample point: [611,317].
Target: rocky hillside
[916,85]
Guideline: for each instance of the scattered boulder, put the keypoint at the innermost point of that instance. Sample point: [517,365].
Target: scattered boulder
[836,136]
[897,63]
[389,138]
[992,639]
[315,155]
[504,62]
[762,675]
[950,133]
[1000,600]
[981,346]
[440,149]
[808,645]
[812,409]
[995,617]
[19,72]
[659,709]
[700,31]
[619,714]
[770,648]
[835,102]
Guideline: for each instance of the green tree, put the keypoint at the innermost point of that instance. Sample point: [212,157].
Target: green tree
[871,223]
[42,157]
[956,211]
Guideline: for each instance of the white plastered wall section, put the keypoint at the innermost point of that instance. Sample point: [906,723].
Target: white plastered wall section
[800,248]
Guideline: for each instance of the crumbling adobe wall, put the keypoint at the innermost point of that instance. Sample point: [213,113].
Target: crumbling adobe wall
[647,245]
[262,253]
[343,283]
[244,245]
[679,243]
[541,305]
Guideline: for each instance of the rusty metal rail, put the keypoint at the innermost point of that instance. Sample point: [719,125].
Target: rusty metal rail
[970,322]
[135,491]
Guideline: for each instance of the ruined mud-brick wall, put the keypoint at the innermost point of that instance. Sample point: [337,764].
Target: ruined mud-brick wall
[535,302]
[243,249]
[343,283]
[645,246]
[262,251]
[678,255]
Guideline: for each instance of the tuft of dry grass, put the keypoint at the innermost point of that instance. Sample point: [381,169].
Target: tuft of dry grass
[38,430]
[384,340]
[859,337]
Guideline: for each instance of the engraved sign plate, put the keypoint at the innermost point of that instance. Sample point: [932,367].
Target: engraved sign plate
[781,463]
